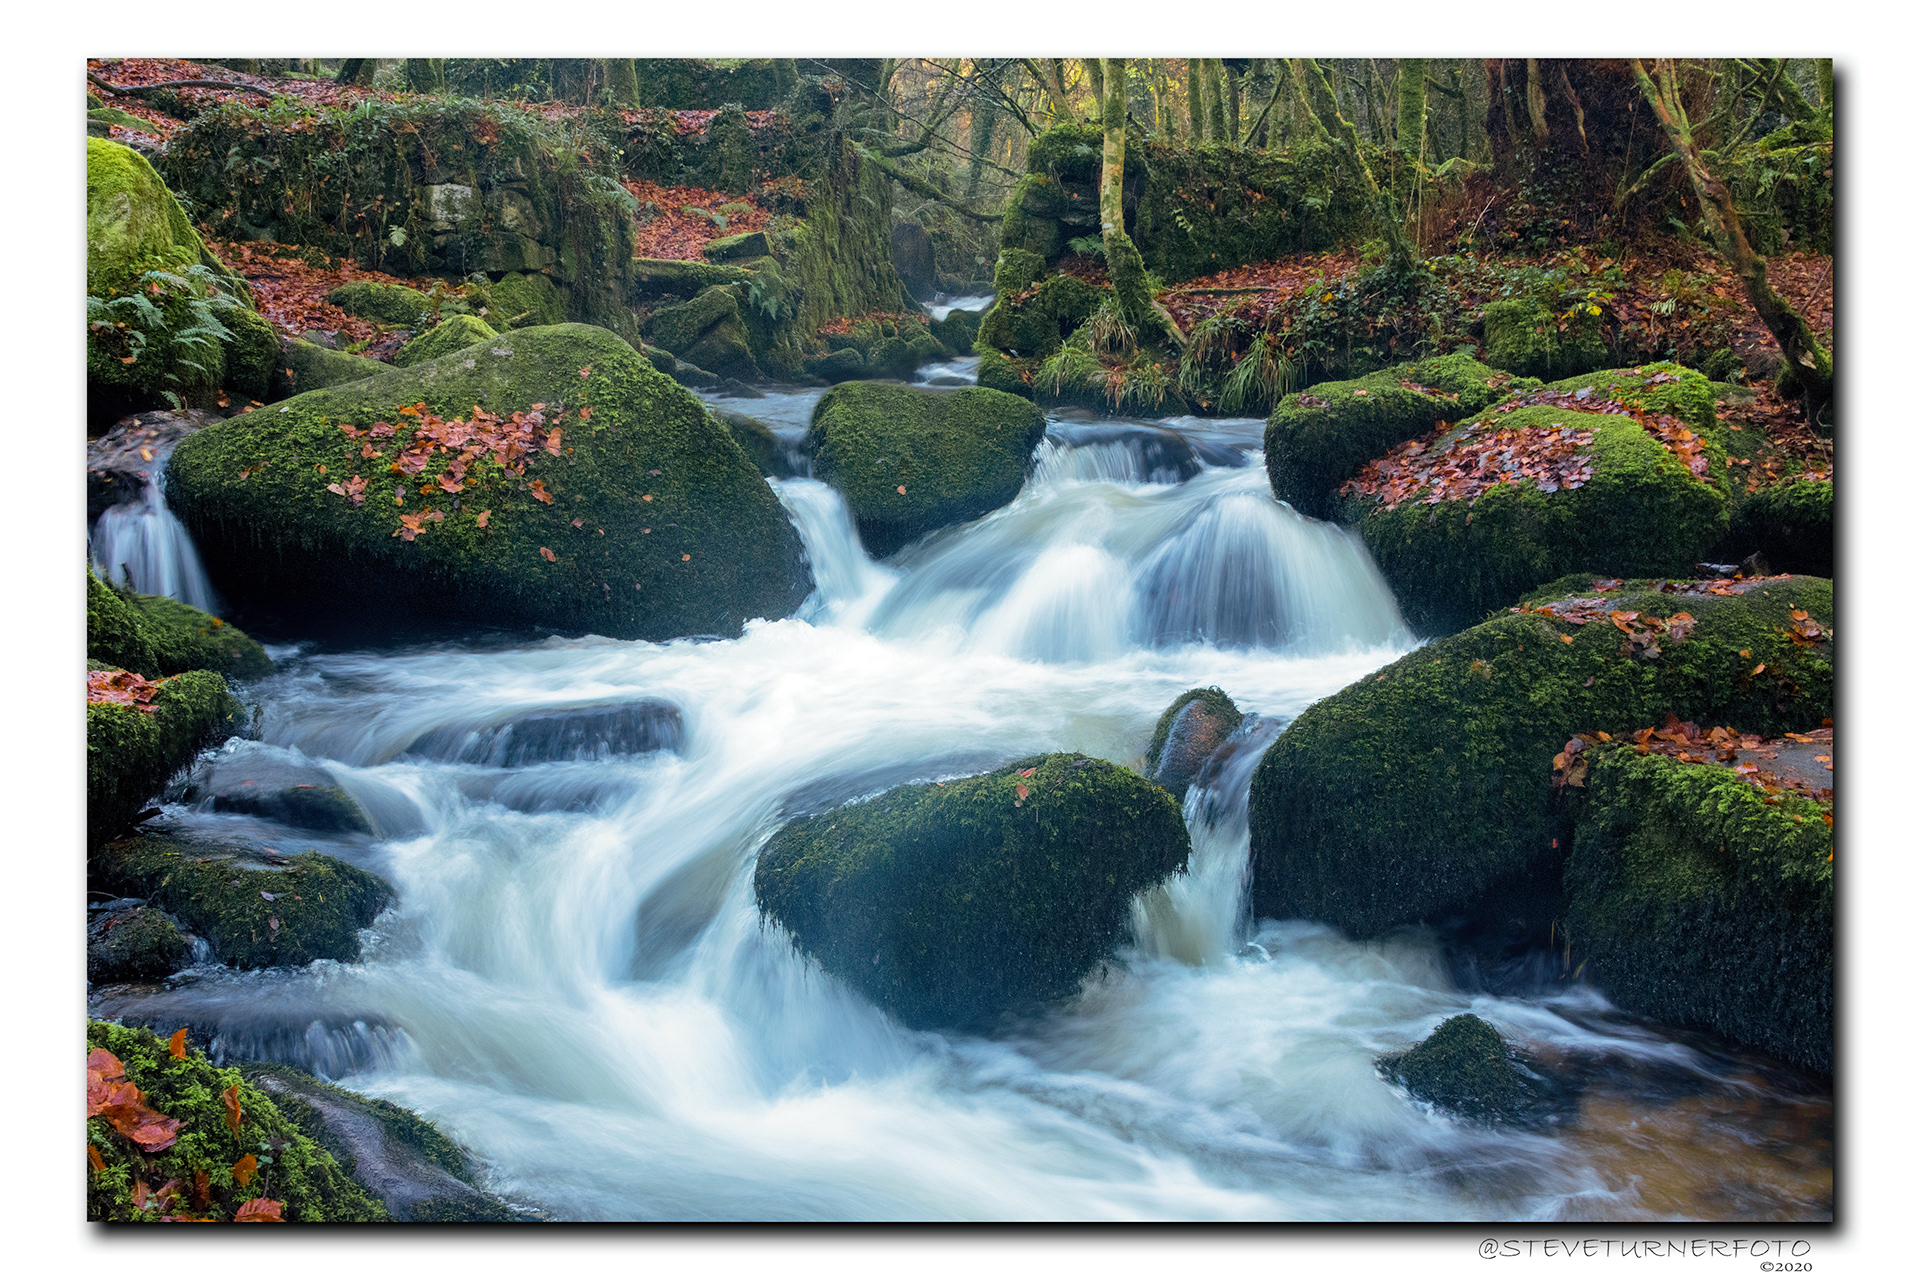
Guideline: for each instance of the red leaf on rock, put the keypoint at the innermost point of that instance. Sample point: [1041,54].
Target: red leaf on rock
[243,1169]
[259,1210]
[230,1099]
[481,519]
[540,491]
[548,554]
[178,1045]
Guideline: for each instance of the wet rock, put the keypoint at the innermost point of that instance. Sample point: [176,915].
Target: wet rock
[121,463]
[913,258]
[132,752]
[1160,456]
[254,905]
[962,903]
[134,944]
[1465,1067]
[251,777]
[1756,566]
[576,733]
[948,380]
[160,636]
[1189,732]
[410,1166]
[758,441]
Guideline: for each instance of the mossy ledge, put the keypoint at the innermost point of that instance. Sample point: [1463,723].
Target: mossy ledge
[1696,899]
[658,527]
[1425,790]
[132,753]
[308,1183]
[958,904]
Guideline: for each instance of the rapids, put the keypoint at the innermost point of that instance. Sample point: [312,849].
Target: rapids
[575,984]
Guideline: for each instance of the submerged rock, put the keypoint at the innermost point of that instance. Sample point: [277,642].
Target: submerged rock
[410,1166]
[913,459]
[959,904]
[133,944]
[1191,728]
[1467,1068]
[573,733]
[254,906]
[1426,789]
[636,516]
[305,1181]
[269,782]
[1694,897]
[131,753]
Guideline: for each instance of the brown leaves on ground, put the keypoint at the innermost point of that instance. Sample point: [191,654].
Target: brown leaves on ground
[230,1100]
[117,1100]
[291,291]
[1804,631]
[122,688]
[673,232]
[1551,458]
[843,325]
[259,1210]
[1687,742]
[1256,290]
[244,1168]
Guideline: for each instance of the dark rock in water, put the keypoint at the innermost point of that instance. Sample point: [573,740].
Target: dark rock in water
[121,463]
[134,944]
[948,380]
[252,777]
[758,441]
[962,903]
[1466,1068]
[913,258]
[1160,456]
[132,752]
[575,733]
[410,1166]
[254,906]
[1189,731]
[1756,566]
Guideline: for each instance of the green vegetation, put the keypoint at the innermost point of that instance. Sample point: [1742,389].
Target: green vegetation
[131,753]
[455,333]
[1466,1067]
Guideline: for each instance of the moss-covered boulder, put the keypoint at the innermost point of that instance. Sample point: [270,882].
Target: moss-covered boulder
[1790,524]
[674,278]
[308,366]
[1425,790]
[382,303]
[1638,508]
[1694,897]
[956,331]
[524,300]
[1189,730]
[627,512]
[737,248]
[161,636]
[131,218]
[1525,337]
[913,459]
[132,751]
[1661,388]
[999,373]
[758,441]
[253,353]
[455,333]
[254,906]
[116,633]
[708,331]
[1467,1068]
[1033,321]
[1318,438]
[133,944]
[288,1168]
[957,904]
[415,1171]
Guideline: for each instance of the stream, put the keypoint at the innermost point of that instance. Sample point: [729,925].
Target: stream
[575,984]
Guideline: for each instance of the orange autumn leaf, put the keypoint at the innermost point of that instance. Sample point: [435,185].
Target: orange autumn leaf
[140,1194]
[243,1169]
[548,554]
[230,1098]
[586,411]
[900,488]
[118,1101]
[1020,789]
[481,519]
[202,1193]
[259,1210]
[177,1046]
[93,1158]
[539,488]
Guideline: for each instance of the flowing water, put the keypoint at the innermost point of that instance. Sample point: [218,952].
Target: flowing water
[574,981]
[143,545]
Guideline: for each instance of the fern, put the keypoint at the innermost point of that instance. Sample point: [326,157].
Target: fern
[1092,246]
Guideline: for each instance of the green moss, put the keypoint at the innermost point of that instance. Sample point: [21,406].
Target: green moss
[758,441]
[524,300]
[1217,704]
[1035,324]
[1318,438]
[185,639]
[141,945]
[998,373]
[748,244]
[455,333]
[253,356]
[219,891]
[951,905]
[710,549]
[1791,524]
[1694,898]
[1662,388]
[116,633]
[957,332]
[1032,222]
[131,217]
[1525,337]
[1467,1068]
[1424,790]
[1643,513]
[709,332]
[406,1128]
[132,753]
[913,459]
[307,1182]
[381,303]
[670,277]
[311,366]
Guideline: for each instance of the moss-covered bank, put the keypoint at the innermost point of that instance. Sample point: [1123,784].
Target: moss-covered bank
[1695,898]
[913,459]
[131,753]
[1790,524]
[637,515]
[956,904]
[160,636]
[1425,790]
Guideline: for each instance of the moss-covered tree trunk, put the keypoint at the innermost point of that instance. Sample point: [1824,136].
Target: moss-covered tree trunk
[357,71]
[1301,79]
[1211,74]
[1124,267]
[1823,67]
[1811,363]
[623,82]
[1230,81]
[1410,132]
[426,75]
[1196,110]
[1347,138]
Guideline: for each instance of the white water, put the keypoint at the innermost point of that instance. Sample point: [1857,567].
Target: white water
[581,991]
[143,545]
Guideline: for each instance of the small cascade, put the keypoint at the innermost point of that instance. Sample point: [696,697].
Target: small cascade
[142,545]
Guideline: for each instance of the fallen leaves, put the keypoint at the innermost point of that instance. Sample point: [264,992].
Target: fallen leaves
[1485,455]
[122,688]
[243,1169]
[177,1046]
[547,555]
[117,1100]
[259,1210]
[682,220]
[1687,742]
[230,1100]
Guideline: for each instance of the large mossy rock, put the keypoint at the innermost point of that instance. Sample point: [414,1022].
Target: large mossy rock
[958,904]
[161,636]
[303,1179]
[1319,438]
[913,459]
[254,907]
[272,783]
[131,753]
[658,526]
[1035,320]
[524,300]
[134,944]
[1524,337]
[708,331]
[1695,898]
[1640,513]
[116,633]
[414,1169]
[381,303]
[1790,524]
[131,217]
[309,367]
[1467,1068]
[1189,731]
[1424,791]
[455,333]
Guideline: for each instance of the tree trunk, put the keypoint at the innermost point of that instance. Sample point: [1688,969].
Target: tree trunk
[1823,67]
[1210,99]
[1052,77]
[1536,100]
[1811,363]
[1348,139]
[1196,110]
[623,82]
[1411,130]
[979,138]
[1303,91]
[1095,81]
[1231,108]
[1124,267]
[426,75]
[357,71]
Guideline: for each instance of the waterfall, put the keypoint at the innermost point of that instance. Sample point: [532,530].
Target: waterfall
[142,545]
